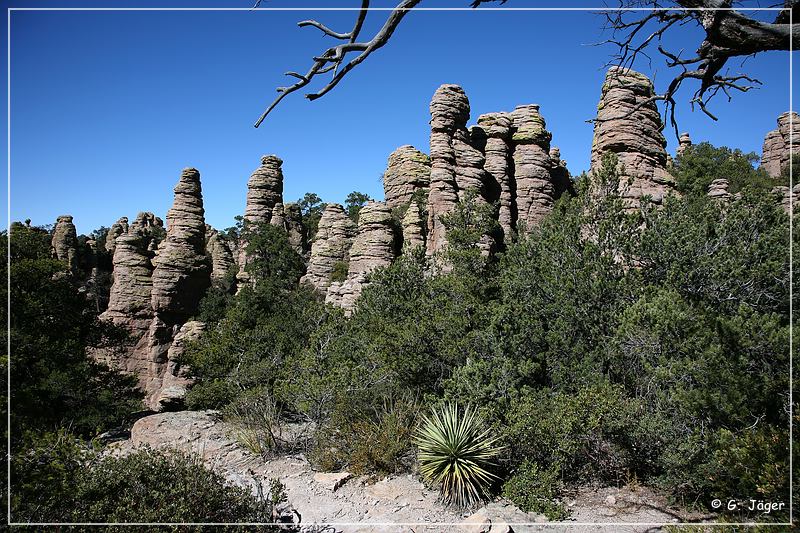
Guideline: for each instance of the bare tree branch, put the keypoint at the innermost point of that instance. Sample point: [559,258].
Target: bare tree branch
[334,58]
[728,34]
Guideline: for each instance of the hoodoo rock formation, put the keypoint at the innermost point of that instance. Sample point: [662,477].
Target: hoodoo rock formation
[182,270]
[413,228]
[220,254]
[718,190]
[153,295]
[331,247]
[449,114]
[289,218]
[628,124]
[264,190]
[408,171]
[684,142]
[118,228]
[64,243]
[496,128]
[778,144]
[535,190]
[373,247]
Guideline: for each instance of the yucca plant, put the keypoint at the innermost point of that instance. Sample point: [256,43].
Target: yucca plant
[457,453]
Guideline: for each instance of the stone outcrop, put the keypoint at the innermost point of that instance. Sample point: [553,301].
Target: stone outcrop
[628,124]
[499,165]
[182,271]
[373,247]
[777,144]
[118,228]
[175,381]
[220,254]
[718,190]
[535,190]
[64,242]
[155,290]
[413,228]
[289,218]
[331,246]
[264,190]
[787,197]
[684,142]
[408,171]
[449,110]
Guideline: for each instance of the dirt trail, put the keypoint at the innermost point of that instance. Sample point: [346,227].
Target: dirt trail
[399,503]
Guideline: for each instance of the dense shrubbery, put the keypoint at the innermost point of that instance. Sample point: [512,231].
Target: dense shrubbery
[605,344]
[60,479]
[60,399]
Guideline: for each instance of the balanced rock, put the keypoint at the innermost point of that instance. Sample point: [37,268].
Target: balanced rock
[628,124]
[408,171]
[64,243]
[535,191]
[777,144]
[182,271]
[331,246]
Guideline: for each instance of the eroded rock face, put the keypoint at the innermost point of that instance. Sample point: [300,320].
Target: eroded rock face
[499,165]
[373,247]
[220,254]
[718,190]
[118,228]
[787,197]
[408,170]
[331,246]
[133,283]
[449,114]
[156,289]
[777,144]
[176,381]
[182,271]
[628,124]
[413,228]
[289,218]
[264,190]
[535,191]
[64,243]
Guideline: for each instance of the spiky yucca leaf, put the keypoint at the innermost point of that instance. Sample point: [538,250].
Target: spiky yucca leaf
[456,452]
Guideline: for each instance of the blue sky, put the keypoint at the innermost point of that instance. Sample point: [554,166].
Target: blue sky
[108,107]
